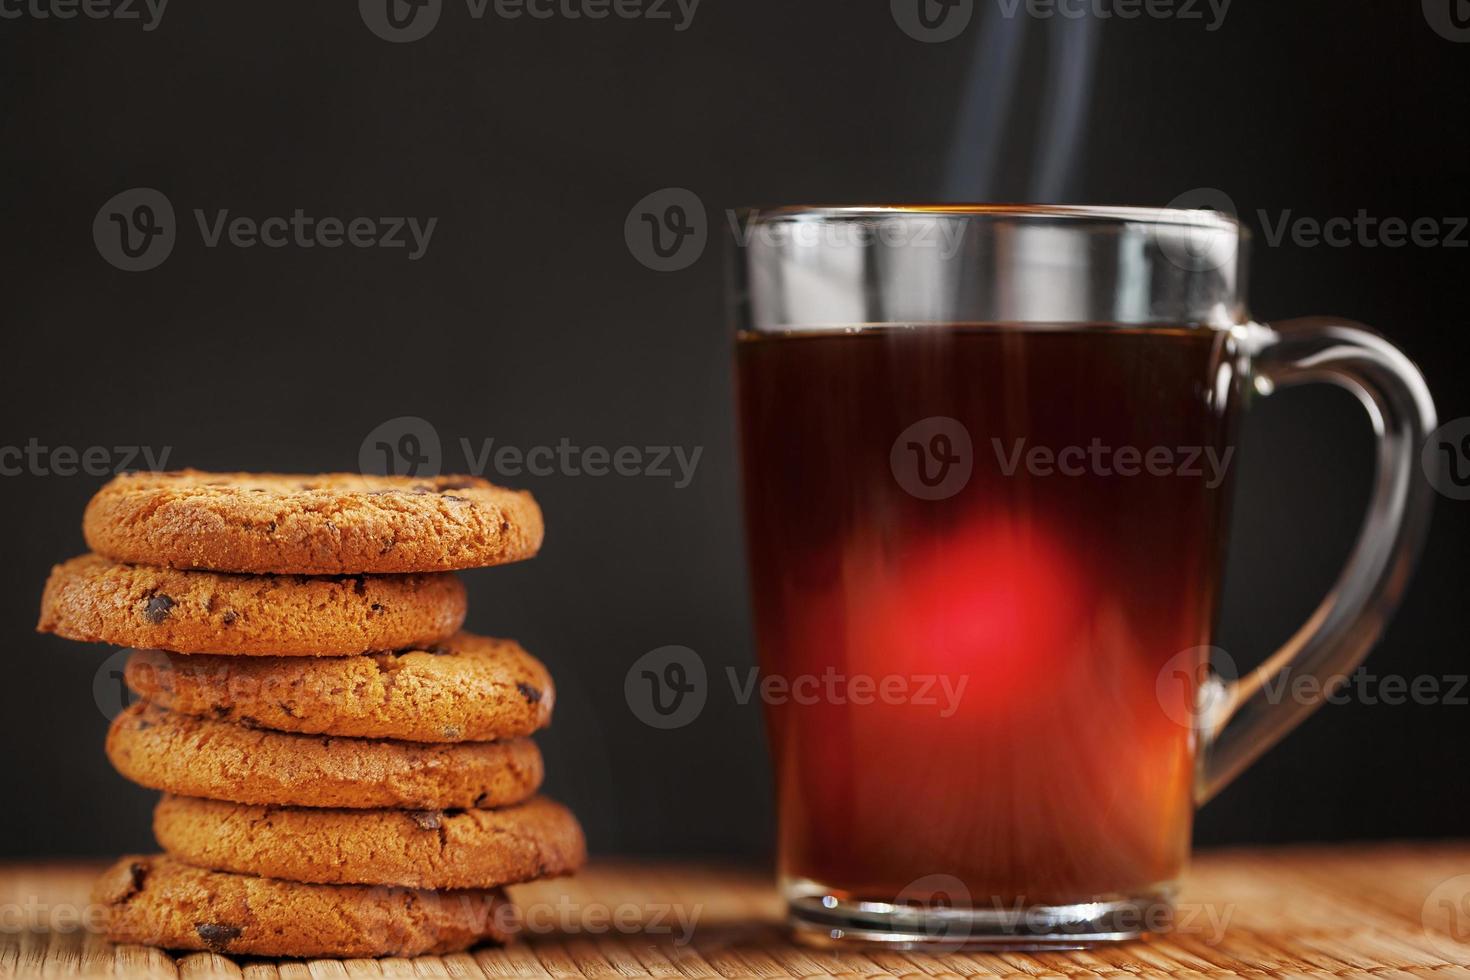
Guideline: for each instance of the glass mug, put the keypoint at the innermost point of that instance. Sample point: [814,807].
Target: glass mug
[986,456]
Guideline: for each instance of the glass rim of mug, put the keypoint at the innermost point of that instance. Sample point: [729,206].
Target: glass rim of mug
[1086,212]
[806,268]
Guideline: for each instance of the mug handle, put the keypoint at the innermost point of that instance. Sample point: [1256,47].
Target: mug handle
[1239,720]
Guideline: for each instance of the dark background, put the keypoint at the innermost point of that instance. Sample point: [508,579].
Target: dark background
[529,321]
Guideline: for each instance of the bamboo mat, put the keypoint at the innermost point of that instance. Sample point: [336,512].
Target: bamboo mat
[1396,912]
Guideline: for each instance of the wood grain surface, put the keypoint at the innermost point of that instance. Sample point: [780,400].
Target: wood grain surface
[1392,912]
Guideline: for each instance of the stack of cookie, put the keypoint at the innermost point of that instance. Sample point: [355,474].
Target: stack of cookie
[346,772]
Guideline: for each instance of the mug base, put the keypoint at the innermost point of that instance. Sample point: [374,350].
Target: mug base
[818,916]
